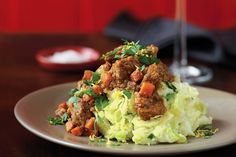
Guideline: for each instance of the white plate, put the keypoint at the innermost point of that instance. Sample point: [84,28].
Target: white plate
[32,112]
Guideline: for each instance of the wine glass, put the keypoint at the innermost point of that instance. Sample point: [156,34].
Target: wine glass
[188,73]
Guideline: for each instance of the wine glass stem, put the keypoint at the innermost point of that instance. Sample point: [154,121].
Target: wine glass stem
[180,49]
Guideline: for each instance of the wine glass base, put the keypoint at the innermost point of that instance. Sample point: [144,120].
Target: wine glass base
[192,74]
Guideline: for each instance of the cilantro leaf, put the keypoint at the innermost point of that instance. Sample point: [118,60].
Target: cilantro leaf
[65,117]
[205,131]
[205,127]
[151,136]
[55,120]
[130,51]
[73,91]
[73,100]
[88,82]
[127,93]
[148,60]
[171,86]
[109,54]
[117,56]
[101,102]
[142,68]
[90,92]
[154,59]
[170,96]
[95,77]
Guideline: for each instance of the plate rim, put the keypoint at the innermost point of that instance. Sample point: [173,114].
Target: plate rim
[99,149]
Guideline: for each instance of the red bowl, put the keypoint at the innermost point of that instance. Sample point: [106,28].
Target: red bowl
[43,60]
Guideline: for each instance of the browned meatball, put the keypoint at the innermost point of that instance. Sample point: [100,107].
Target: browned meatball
[122,68]
[148,107]
[157,73]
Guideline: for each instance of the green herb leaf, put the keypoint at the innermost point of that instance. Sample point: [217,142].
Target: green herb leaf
[90,92]
[206,127]
[170,96]
[140,47]
[72,100]
[130,52]
[117,56]
[73,91]
[101,102]
[142,68]
[55,120]
[109,54]
[88,82]
[95,77]
[144,60]
[127,93]
[205,131]
[148,60]
[65,117]
[154,59]
[171,86]
[151,136]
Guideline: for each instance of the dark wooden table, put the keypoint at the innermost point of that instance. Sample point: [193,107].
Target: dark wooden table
[20,75]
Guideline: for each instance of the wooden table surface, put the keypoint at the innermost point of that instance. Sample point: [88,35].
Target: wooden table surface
[20,75]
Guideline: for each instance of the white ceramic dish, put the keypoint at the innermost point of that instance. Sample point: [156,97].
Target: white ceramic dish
[32,112]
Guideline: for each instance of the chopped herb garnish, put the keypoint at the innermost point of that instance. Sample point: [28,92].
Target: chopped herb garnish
[151,136]
[148,60]
[117,57]
[55,120]
[88,82]
[95,77]
[89,92]
[142,68]
[73,91]
[65,117]
[127,93]
[170,96]
[128,49]
[205,131]
[73,100]
[171,86]
[101,102]
[109,54]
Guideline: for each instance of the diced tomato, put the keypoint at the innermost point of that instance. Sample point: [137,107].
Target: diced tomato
[97,89]
[62,105]
[77,131]
[136,76]
[147,89]
[90,123]
[87,75]
[106,79]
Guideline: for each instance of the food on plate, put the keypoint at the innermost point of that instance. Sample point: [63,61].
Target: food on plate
[133,97]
